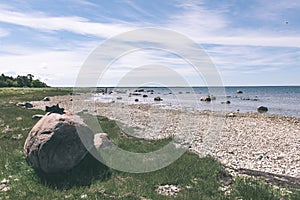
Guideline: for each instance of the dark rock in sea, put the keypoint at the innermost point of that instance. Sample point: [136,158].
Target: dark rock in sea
[245,98]
[239,92]
[55,109]
[151,91]
[145,95]
[140,90]
[37,116]
[136,100]
[225,102]
[262,109]
[57,143]
[119,98]
[205,98]
[136,94]
[157,99]
[46,99]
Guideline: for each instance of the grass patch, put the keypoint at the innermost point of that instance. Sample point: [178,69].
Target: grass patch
[199,178]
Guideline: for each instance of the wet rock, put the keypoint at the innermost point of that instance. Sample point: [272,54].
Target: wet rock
[136,94]
[239,92]
[136,100]
[140,90]
[262,109]
[145,96]
[225,102]
[157,99]
[205,98]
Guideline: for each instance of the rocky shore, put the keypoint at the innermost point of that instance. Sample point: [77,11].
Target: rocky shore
[254,141]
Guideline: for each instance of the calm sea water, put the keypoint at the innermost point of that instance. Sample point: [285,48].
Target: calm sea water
[282,100]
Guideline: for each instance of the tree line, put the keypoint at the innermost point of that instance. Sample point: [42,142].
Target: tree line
[21,81]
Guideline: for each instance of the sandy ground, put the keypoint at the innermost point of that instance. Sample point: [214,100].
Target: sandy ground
[263,142]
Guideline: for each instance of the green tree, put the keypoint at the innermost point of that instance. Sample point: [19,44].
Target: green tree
[21,81]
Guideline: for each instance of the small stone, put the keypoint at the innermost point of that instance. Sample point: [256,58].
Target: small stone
[46,99]
[18,118]
[84,196]
[5,189]
[231,115]
[4,181]
[17,137]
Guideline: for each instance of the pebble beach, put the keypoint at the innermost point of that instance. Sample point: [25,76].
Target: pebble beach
[262,142]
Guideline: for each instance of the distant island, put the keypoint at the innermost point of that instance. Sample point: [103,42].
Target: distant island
[21,81]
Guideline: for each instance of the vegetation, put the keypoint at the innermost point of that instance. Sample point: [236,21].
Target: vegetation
[21,81]
[199,178]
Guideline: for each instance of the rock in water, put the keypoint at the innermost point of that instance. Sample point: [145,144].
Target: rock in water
[56,143]
[205,98]
[262,109]
[158,99]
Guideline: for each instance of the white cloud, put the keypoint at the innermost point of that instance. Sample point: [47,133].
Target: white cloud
[57,68]
[74,24]
[195,19]
[207,26]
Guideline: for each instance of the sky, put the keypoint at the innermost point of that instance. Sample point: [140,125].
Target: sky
[249,42]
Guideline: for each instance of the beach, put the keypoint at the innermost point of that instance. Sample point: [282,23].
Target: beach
[262,142]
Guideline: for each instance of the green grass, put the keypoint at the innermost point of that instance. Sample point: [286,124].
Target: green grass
[91,178]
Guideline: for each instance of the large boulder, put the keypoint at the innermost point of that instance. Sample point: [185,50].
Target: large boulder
[56,143]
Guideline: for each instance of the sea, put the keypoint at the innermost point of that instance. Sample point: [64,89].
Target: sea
[281,100]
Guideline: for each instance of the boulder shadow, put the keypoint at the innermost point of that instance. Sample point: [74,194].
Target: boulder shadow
[88,170]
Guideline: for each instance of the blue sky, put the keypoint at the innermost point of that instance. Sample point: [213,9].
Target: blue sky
[250,42]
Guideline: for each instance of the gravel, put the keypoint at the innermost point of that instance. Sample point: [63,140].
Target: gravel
[263,142]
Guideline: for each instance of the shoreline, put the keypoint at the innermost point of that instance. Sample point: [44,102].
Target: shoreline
[265,142]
